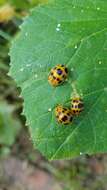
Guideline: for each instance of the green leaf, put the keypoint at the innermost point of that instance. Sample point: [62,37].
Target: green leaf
[9,125]
[73,33]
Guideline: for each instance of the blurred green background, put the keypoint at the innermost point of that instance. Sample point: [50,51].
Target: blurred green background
[22,167]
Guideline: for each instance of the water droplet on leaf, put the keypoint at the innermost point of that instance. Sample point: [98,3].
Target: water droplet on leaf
[81,153]
[58,25]
[57,29]
[98,8]
[72,69]
[105,89]
[28,65]
[22,69]
[26,34]
[36,75]
[100,62]
[82,10]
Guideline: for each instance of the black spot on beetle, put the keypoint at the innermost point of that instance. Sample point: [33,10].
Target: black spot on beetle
[65,109]
[60,81]
[65,118]
[51,73]
[57,79]
[71,118]
[74,111]
[74,101]
[63,76]
[68,114]
[77,111]
[66,70]
[54,77]
[80,105]
[59,71]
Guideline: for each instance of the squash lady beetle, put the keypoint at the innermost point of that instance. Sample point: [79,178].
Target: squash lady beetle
[77,105]
[63,115]
[57,75]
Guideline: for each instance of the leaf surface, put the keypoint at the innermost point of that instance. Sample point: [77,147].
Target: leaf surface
[73,33]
